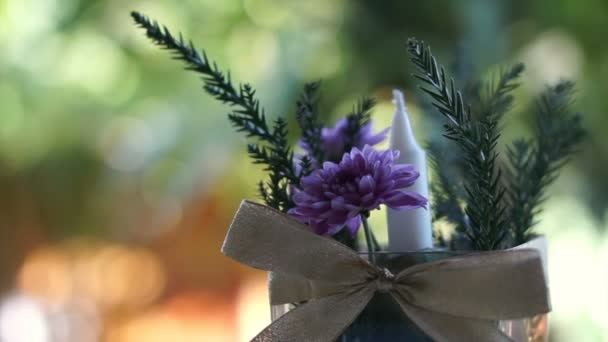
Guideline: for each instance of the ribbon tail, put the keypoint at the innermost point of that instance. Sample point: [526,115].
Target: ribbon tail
[319,320]
[448,328]
[287,288]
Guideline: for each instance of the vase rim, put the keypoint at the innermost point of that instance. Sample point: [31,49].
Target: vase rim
[426,251]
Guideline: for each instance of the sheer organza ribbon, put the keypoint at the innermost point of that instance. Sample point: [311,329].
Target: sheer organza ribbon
[455,299]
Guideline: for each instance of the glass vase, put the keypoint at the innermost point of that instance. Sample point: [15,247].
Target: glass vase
[382,320]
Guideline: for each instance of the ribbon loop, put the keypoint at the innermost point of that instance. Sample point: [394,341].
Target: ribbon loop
[267,239]
[455,299]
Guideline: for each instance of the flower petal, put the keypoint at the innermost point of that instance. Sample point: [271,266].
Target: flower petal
[353,225]
[400,199]
[367,184]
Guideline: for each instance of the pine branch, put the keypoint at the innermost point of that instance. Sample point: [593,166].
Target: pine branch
[356,120]
[263,191]
[306,166]
[477,138]
[307,116]
[497,99]
[446,189]
[247,116]
[448,194]
[535,164]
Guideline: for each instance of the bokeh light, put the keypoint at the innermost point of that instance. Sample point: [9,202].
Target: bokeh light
[189,318]
[23,320]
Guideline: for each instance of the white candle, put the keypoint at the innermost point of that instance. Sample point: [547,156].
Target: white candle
[409,230]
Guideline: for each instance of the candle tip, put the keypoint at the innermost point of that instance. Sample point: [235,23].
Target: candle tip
[398,99]
[402,136]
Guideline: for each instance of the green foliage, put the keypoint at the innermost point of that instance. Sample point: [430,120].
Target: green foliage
[272,148]
[307,115]
[498,211]
[535,163]
[495,95]
[446,187]
[356,119]
[477,137]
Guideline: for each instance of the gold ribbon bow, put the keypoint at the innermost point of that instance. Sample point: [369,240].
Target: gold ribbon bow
[455,299]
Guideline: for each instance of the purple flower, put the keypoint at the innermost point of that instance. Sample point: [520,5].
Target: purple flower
[334,139]
[335,196]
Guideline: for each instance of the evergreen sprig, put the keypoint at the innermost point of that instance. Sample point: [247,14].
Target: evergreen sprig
[272,148]
[535,163]
[446,188]
[307,115]
[477,138]
[356,120]
[495,96]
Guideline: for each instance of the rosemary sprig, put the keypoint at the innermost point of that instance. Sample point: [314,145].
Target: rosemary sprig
[272,148]
[535,163]
[477,138]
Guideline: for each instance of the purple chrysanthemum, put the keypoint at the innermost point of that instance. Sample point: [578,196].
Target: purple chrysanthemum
[335,139]
[335,196]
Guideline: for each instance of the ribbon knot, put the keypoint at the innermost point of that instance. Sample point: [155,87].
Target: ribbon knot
[452,300]
[385,281]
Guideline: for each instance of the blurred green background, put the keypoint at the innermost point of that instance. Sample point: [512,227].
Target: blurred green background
[119,176]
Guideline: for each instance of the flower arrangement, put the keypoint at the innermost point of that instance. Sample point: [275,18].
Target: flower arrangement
[338,177]
[330,185]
